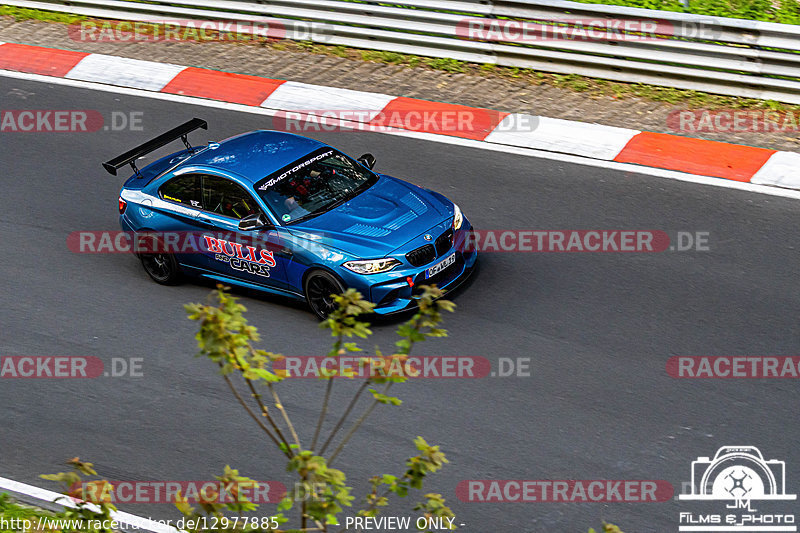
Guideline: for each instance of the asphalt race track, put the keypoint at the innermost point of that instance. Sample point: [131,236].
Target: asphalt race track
[598,328]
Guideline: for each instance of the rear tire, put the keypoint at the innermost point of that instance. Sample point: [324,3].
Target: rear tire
[318,288]
[162,268]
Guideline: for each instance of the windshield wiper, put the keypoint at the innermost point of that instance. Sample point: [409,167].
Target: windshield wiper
[334,205]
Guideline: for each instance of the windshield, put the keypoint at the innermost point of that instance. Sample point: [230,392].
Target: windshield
[314,184]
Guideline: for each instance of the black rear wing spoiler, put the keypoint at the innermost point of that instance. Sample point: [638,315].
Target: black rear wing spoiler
[130,157]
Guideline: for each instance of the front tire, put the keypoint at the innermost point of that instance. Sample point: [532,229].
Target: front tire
[319,288]
[162,268]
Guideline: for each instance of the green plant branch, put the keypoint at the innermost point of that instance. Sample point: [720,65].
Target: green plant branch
[252,414]
[267,415]
[279,406]
[262,406]
[356,425]
[343,419]
[326,400]
[323,412]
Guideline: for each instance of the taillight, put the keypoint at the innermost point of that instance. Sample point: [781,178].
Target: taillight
[122,205]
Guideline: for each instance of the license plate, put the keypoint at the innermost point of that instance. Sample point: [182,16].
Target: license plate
[435,269]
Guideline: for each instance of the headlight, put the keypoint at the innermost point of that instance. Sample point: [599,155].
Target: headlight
[458,218]
[371,266]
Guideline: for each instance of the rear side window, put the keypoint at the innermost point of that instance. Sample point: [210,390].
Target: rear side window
[183,189]
[226,198]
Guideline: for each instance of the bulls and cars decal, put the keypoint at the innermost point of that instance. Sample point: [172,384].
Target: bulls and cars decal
[242,257]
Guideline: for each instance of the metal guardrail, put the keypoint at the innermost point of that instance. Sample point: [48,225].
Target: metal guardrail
[712,54]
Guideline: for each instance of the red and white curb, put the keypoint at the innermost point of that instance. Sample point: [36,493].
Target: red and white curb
[744,164]
[37,496]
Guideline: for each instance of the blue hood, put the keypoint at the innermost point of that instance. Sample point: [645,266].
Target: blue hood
[380,219]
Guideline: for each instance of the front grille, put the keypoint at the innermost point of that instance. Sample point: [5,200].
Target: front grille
[422,255]
[444,242]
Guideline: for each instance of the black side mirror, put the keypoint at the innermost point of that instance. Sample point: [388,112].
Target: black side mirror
[257,221]
[368,160]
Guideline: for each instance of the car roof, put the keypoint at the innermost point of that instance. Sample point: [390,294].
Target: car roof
[256,154]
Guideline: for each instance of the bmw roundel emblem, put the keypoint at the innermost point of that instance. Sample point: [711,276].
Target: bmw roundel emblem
[428,236]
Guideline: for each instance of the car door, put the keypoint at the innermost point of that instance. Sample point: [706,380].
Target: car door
[178,203]
[255,256]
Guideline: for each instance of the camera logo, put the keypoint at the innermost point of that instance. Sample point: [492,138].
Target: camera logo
[738,473]
[738,476]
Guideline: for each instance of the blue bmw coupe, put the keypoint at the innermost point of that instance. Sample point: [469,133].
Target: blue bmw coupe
[286,214]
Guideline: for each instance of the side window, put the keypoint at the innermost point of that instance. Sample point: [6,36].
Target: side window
[183,189]
[226,198]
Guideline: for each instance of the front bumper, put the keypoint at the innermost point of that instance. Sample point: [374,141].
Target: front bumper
[394,291]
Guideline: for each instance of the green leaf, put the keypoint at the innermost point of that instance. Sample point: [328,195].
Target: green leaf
[384,399]
[285,504]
